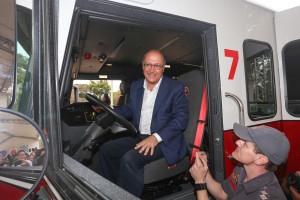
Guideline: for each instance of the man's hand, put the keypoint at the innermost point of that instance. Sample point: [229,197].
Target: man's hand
[199,168]
[98,109]
[147,145]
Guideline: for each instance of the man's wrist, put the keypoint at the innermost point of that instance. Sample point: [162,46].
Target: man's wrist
[200,186]
[157,137]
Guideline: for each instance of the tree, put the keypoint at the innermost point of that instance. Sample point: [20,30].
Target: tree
[22,69]
[99,87]
[83,89]
[22,66]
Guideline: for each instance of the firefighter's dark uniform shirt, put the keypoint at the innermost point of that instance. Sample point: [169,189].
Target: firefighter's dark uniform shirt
[263,187]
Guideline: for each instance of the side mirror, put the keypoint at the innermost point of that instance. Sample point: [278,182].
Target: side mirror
[23,153]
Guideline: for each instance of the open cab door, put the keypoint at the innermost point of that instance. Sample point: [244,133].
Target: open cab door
[20,136]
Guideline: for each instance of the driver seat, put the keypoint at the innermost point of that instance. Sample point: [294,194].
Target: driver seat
[159,169]
[123,99]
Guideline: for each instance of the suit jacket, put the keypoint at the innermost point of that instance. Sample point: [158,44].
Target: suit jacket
[169,119]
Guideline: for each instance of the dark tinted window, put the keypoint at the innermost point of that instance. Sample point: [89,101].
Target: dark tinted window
[291,65]
[259,74]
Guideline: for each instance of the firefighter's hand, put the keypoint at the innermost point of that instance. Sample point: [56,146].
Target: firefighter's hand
[294,193]
[147,145]
[200,168]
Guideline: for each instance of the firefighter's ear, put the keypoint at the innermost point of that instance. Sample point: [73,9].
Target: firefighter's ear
[261,159]
[31,151]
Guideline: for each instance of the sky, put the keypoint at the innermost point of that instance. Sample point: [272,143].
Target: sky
[20,50]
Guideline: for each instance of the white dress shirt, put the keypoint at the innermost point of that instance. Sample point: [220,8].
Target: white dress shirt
[147,110]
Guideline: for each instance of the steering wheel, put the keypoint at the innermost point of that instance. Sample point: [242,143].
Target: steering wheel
[120,119]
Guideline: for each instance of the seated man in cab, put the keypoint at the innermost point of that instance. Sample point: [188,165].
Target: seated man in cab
[159,111]
[259,150]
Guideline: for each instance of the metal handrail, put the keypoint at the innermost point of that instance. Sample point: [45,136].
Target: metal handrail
[240,105]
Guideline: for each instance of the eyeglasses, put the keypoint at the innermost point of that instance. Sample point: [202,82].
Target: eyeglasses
[149,66]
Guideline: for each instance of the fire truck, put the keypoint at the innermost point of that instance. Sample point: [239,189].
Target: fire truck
[239,62]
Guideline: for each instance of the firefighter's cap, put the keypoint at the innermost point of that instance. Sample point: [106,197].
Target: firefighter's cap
[273,143]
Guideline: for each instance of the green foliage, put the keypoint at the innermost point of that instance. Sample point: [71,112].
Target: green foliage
[22,67]
[99,87]
[82,95]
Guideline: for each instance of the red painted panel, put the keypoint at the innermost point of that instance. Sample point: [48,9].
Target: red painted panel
[44,184]
[292,131]
[229,147]
[10,192]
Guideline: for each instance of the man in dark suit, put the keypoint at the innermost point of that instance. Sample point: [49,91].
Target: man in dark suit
[159,110]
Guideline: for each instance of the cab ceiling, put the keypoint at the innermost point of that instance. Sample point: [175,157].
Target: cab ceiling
[124,44]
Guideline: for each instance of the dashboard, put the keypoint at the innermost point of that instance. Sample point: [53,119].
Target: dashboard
[78,114]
